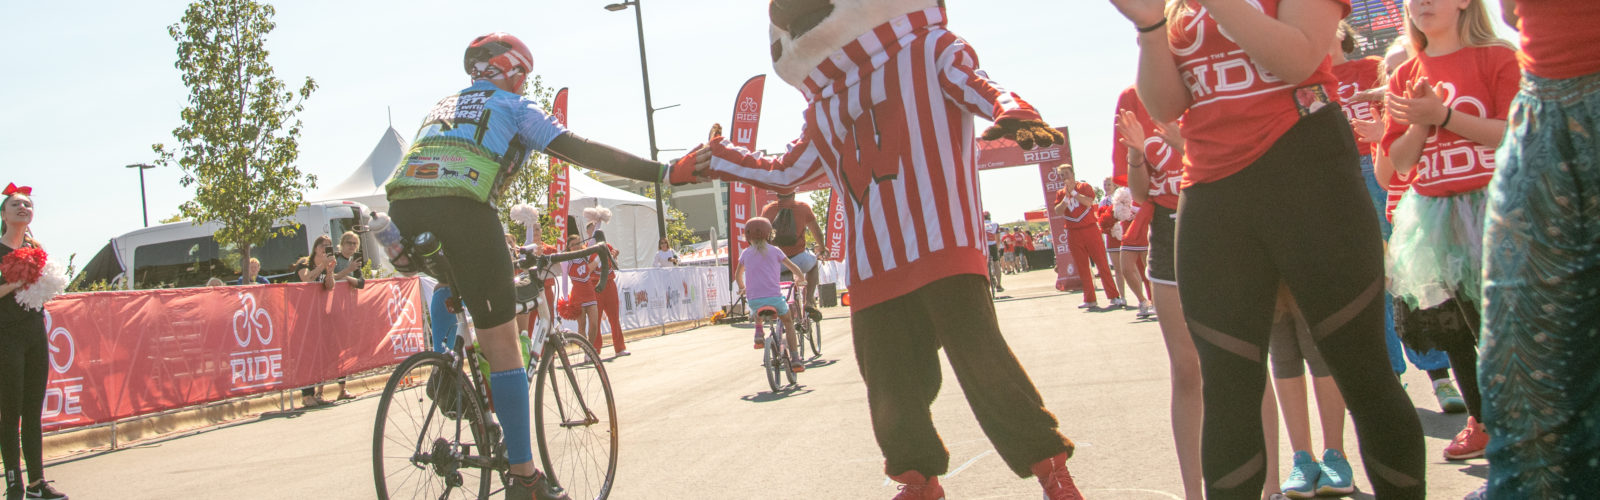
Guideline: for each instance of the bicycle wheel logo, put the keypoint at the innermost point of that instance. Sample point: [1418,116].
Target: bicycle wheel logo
[399,309]
[60,341]
[251,321]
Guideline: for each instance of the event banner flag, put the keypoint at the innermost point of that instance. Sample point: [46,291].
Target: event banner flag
[560,186]
[741,202]
[115,355]
[836,226]
[1066,278]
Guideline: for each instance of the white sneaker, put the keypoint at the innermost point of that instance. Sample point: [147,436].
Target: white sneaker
[1145,310]
[1089,305]
[1119,303]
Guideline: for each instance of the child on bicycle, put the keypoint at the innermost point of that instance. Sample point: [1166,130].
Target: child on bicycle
[765,264]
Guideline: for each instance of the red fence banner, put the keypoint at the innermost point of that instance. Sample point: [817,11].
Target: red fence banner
[115,355]
[741,203]
[836,226]
[560,186]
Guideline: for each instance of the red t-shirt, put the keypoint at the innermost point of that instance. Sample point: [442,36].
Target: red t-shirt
[1238,110]
[1027,242]
[1477,81]
[1010,242]
[1397,188]
[1354,77]
[803,219]
[1559,37]
[1079,215]
[1165,165]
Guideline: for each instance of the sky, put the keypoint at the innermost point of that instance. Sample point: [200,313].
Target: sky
[91,85]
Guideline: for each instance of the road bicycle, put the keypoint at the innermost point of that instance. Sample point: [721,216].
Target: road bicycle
[436,436]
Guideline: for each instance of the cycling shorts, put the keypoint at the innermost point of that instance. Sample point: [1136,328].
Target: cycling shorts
[474,242]
[775,302]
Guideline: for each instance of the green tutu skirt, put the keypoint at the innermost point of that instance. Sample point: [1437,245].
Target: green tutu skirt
[1436,251]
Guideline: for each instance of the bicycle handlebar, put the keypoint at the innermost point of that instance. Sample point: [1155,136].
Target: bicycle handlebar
[531,259]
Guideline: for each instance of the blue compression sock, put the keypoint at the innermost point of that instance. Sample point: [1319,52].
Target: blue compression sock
[443,322]
[511,405]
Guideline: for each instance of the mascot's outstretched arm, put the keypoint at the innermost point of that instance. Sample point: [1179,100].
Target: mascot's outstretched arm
[971,88]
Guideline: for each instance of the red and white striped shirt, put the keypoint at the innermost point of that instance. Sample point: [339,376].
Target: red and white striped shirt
[889,121]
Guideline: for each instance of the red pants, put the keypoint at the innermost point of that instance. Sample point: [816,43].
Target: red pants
[610,306]
[1086,244]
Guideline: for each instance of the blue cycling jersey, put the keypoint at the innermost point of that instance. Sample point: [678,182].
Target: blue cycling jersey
[469,142]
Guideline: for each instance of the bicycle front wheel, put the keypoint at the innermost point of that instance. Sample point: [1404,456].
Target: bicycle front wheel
[428,441]
[815,334]
[575,418]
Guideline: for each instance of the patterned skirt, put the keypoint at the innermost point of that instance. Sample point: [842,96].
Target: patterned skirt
[1540,361]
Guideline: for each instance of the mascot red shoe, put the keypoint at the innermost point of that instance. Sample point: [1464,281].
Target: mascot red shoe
[891,99]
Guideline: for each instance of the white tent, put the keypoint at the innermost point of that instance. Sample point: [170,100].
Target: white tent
[365,185]
[632,229]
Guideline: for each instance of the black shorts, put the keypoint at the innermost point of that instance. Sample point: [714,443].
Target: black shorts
[994,252]
[1162,250]
[475,243]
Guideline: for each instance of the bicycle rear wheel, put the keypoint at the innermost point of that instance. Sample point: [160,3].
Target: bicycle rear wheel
[429,439]
[575,418]
[770,361]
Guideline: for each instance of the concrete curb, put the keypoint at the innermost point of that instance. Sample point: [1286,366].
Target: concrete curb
[132,432]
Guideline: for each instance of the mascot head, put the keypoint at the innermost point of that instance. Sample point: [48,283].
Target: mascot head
[804,32]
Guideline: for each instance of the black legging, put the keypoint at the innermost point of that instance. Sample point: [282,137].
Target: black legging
[1298,215]
[24,369]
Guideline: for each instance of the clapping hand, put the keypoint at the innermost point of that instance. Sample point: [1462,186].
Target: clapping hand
[1420,106]
[1131,134]
[1142,12]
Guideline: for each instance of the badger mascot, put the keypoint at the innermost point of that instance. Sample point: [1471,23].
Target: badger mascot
[891,96]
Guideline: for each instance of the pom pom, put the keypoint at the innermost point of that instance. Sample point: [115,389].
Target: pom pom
[50,282]
[567,308]
[1122,204]
[23,265]
[597,215]
[1116,231]
[525,214]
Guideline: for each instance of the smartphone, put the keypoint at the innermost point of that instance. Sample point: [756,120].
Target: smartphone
[357,257]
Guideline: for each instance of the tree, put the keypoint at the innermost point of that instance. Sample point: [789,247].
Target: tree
[678,230]
[819,206]
[531,183]
[236,145]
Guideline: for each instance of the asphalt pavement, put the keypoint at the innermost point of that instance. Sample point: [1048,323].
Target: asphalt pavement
[698,421]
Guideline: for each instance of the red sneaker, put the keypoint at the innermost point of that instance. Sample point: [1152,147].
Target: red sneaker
[1057,482]
[914,486]
[760,342]
[1469,443]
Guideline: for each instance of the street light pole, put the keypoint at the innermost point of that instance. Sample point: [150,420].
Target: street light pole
[649,109]
[143,202]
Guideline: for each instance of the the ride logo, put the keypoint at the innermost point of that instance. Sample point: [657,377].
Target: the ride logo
[405,331]
[62,396]
[1228,72]
[1459,158]
[252,328]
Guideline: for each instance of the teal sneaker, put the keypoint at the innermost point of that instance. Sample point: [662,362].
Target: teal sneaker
[1302,482]
[1450,400]
[1336,474]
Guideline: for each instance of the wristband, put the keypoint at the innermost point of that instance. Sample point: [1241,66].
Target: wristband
[1153,27]
[1450,113]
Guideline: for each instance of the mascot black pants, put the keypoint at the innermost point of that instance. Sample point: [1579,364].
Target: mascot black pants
[897,348]
[1300,216]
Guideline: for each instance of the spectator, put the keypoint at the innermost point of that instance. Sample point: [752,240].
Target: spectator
[348,261]
[215,281]
[252,274]
[665,256]
[319,266]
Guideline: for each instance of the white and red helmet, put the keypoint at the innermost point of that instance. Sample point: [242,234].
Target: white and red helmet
[499,56]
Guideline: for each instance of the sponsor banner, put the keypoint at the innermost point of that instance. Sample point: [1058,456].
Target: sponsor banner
[836,227]
[741,202]
[560,186]
[116,355]
[660,295]
[1001,153]
[1066,279]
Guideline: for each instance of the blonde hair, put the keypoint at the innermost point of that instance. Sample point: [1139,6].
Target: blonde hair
[1472,25]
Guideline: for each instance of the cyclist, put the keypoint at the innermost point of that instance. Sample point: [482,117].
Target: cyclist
[790,236]
[760,267]
[470,144]
[991,228]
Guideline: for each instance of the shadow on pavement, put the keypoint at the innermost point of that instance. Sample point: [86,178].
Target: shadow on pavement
[768,397]
[819,363]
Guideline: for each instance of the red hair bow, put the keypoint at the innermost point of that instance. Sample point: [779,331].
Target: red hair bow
[12,188]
